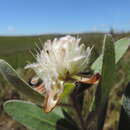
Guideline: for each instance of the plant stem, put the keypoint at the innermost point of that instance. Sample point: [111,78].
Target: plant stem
[78,112]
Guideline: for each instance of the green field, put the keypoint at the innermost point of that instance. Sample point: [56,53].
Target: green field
[16,49]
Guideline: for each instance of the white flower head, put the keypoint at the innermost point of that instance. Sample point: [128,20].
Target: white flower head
[59,60]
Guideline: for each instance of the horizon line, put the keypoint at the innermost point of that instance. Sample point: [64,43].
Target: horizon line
[63,33]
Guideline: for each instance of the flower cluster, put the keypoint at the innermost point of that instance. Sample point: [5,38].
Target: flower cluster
[57,62]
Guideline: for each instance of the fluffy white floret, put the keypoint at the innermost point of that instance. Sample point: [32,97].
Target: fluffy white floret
[60,59]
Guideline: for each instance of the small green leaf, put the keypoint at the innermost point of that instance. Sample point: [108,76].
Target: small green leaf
[121,47]
[68,88]
[10,74]
[31,116]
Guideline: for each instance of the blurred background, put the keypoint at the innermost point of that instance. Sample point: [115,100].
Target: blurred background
[25,23]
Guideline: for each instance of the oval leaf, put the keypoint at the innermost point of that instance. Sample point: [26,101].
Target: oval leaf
[31,116]
[10,74]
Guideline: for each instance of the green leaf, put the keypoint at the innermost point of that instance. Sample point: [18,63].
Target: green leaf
[10,74]
[121,47]
[108,67]
[68,88]
[108,76]
[31,116]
